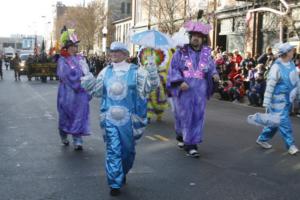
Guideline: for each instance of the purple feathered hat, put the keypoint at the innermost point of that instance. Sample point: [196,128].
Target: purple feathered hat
[199,26]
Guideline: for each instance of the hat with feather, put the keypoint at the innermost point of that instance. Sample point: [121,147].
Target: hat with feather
[68,37]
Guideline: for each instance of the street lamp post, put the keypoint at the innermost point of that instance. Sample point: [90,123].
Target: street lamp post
[149,14]
[104,37]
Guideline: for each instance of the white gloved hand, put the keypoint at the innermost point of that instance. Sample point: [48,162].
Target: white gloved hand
[293,94]
[151,61]
[151,66]
[84,67]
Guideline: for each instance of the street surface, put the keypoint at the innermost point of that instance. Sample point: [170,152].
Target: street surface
[35,166]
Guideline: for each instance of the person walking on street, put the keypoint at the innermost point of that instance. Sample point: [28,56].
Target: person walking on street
[1,73]
[283,85]
[123,89]
[72,99]
[190,80]
[16,62]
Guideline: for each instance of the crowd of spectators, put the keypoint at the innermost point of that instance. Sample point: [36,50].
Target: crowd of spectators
[244,77]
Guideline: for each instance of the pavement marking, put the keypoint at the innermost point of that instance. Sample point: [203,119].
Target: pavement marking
[162,138]
[296,167]
[269,151]
[48,115]
[12,127]
[151,138]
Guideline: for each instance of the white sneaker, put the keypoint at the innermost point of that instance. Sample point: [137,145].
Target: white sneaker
[293,150]
[180,145]
[264,145]
[193,153]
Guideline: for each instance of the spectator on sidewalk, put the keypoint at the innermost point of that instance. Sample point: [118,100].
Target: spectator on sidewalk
[247,63]
[237,57]
[237,92]
[264,57]
[256,92]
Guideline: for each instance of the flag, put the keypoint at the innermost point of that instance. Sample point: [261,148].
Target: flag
[35,46]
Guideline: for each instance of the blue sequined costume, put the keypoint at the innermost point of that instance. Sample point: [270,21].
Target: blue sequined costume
[283,84]
[123,89]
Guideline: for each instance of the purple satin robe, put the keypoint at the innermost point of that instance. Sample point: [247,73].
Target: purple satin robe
[72,99]
[197,70]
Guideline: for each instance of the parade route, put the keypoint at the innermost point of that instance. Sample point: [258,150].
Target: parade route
[35,166]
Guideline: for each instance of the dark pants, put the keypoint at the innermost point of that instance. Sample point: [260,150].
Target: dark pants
[224,94]
[17,73]
[234,94]
[254,98]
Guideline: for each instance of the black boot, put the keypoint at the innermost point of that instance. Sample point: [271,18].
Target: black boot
[180,143]
[191,151]
[115,191]
[78,148]
[124,180]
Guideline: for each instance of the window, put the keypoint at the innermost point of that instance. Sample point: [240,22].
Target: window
[138,11]
[128,8]
[123,8]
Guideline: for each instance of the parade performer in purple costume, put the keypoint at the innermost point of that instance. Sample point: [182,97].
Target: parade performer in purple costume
[190,80]
[72,99]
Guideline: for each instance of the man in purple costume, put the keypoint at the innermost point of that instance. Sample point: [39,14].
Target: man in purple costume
[72,99]
[190,80]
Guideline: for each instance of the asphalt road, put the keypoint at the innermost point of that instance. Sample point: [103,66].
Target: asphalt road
[35,166]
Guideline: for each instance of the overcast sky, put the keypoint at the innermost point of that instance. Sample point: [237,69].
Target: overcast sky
[25,16]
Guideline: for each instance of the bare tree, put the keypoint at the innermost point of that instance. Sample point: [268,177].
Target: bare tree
[169,15]
[87,21]
[166,13]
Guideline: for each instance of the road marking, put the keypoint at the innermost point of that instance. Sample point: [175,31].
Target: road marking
[269,151]
[151,138]
[162,138]
[297,166]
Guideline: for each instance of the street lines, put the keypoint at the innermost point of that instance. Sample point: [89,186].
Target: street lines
[157,137]
[151,138]
[162,138]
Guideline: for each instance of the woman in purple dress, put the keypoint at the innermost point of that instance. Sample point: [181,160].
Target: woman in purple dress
[190,80]
[72,99]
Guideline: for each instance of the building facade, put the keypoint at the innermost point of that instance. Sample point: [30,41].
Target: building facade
[116,11]
[263,29]
[19,42]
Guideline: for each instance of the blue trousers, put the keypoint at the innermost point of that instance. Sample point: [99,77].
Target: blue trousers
[120,152]
[285,130]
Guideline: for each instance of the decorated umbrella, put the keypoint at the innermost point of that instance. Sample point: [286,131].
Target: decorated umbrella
[153,39]
[160,56]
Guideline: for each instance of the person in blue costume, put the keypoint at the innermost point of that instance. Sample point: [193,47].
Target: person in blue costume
[283,86]
[123,89]
[72,99]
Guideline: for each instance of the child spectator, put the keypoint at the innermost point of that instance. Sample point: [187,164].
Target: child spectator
[256,92]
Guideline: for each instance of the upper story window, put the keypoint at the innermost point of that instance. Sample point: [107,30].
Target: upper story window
[123,7]
[128,8]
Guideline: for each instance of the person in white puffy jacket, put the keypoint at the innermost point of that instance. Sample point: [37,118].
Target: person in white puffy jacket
[283,86]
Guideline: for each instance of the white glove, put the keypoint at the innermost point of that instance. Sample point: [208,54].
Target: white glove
[151,66]
[150,60]
[84,67]
[293,94]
